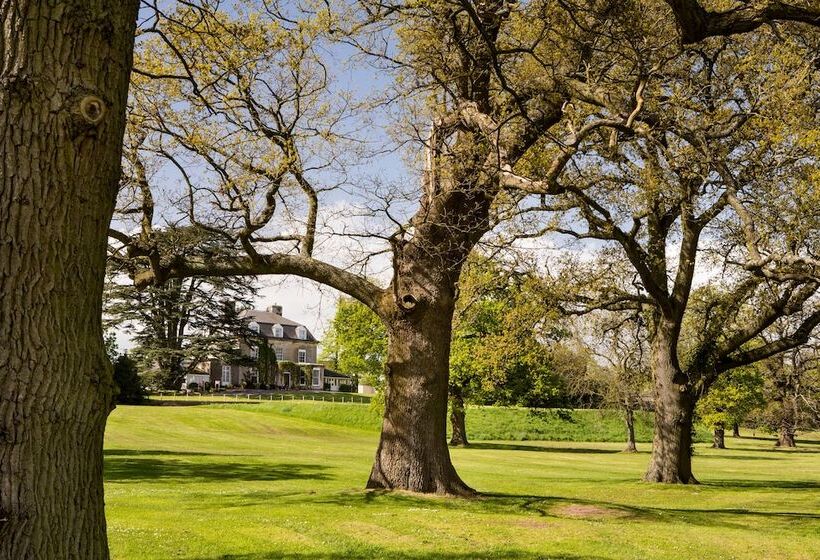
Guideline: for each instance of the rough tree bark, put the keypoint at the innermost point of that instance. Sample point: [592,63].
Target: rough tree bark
[671,460]
[457,421]
[785,437]
[412,453]
[719,438]
[64,69]
[629,417]
[735,430]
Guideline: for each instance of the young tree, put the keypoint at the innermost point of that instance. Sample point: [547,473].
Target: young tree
[620,380]
[505,347]
[127,380]
[730,400]
[356,342]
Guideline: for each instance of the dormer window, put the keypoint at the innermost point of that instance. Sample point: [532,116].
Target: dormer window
[278,332]
[254,327]
[301,333]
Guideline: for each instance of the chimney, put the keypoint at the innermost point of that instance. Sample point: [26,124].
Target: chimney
[277,309]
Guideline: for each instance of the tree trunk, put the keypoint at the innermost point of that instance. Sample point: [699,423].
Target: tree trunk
[786,437]
[718,438]
[457,423]
[630,430]
[413,453]
[735,430]
[671,460]
[64,69]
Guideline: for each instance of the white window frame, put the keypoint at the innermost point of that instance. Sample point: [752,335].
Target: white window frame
[301,333]
[301,356]
[254,326]
[226,370]
[255,352]
[316,377]
[278,331]
[280,354]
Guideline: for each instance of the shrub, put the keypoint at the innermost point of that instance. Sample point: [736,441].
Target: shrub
[127,380]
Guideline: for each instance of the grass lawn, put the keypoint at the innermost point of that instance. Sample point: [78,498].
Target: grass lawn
[253,482]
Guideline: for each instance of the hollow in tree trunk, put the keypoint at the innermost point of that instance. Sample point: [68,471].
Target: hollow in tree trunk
[718,438]
[458,427]
[629,417]
[735,430]
[671,460]
[64,70]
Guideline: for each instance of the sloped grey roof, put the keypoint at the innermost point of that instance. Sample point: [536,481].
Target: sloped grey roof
[331,373]
[266,321]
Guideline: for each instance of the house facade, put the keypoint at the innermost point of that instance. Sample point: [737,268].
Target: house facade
[289,340]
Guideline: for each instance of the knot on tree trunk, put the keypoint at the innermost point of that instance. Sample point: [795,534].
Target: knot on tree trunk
[87,112]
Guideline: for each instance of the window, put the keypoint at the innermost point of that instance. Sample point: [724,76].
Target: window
[301,333]
[302,378]
[278,332]
[226,375]
[254,326]
[302,355]
[280,354]
[315,379]
[254,352]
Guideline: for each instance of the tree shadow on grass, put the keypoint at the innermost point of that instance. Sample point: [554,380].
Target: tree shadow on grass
[760,484]
[541,448]
[132,468]
[381,553]
[732,456]
[563,507]
[159,452]
[773,441]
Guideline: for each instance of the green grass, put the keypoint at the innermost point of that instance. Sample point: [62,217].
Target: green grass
[328,396]
[495,423]
[253,482]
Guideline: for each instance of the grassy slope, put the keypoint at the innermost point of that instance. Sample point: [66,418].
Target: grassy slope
[483,423]
[248,483]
